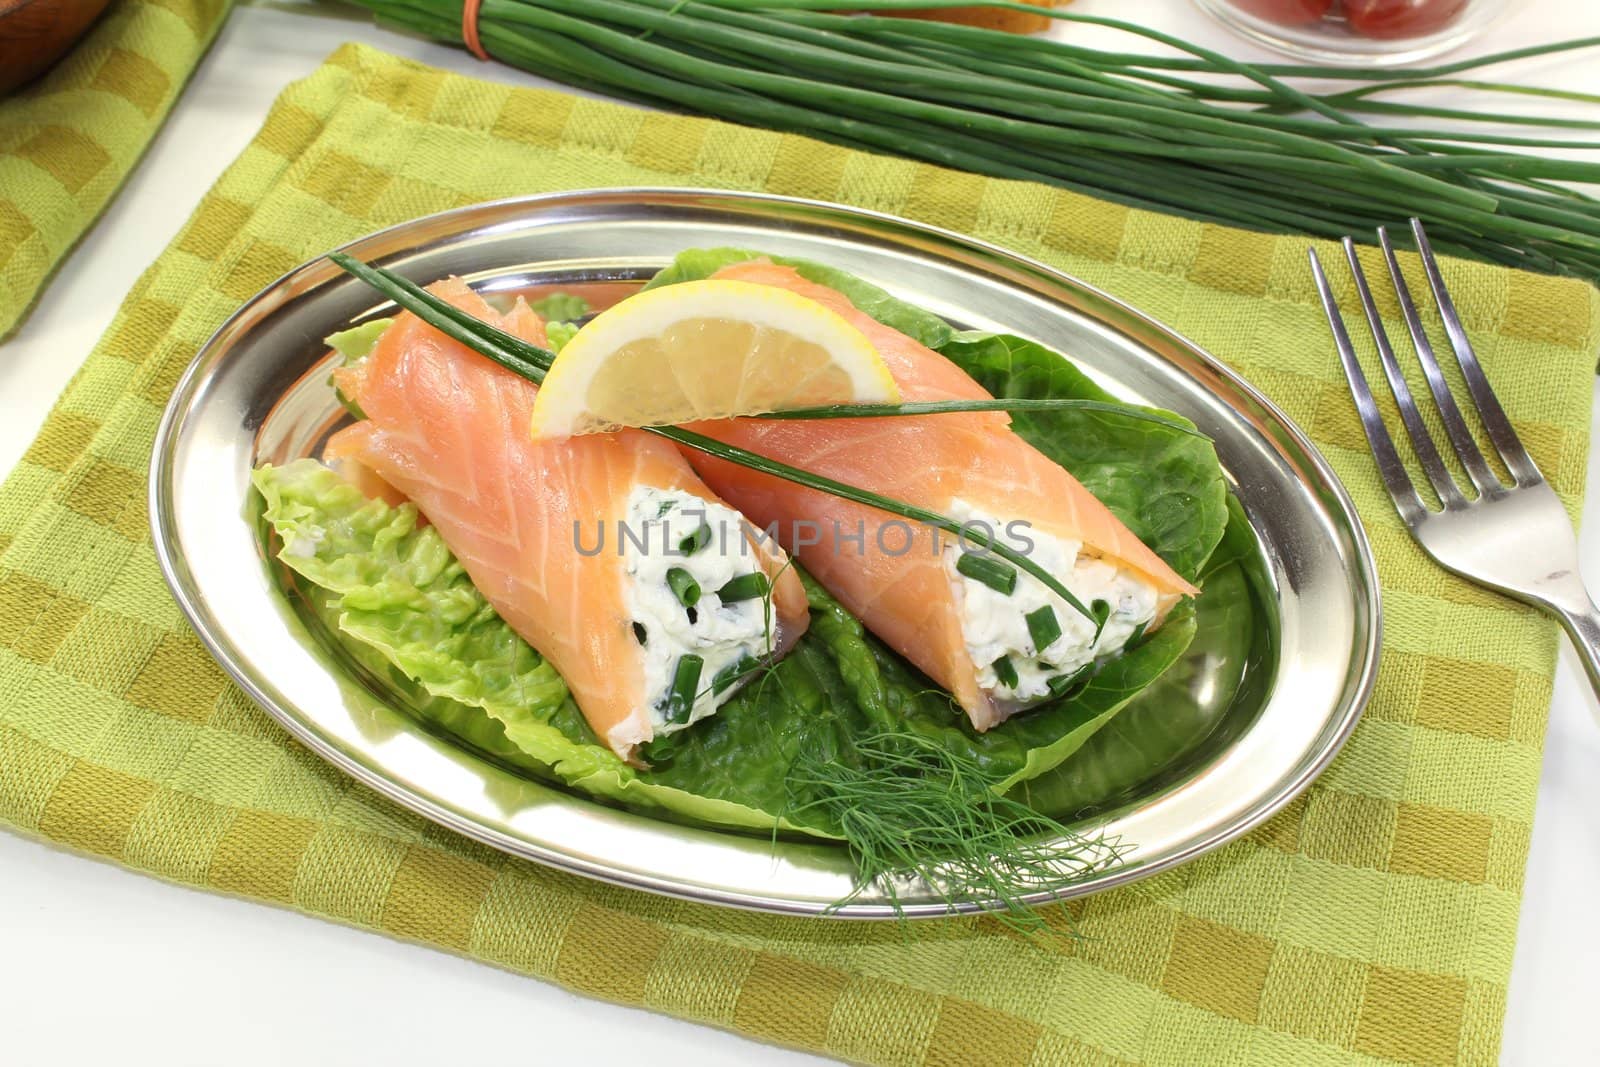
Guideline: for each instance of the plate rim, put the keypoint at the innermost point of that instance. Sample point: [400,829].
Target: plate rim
[1356,693]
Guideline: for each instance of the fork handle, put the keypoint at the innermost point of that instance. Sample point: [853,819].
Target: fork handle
[1582,624]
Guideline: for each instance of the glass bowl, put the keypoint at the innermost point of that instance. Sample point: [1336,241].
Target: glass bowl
[1358,32]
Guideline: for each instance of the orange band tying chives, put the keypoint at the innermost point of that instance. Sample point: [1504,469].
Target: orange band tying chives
[469,28]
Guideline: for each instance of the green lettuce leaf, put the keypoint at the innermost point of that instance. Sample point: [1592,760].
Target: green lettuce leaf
[805,702]
[395,589]
[1184,712]
[355,345]
[559,333]
[697,263]
[560,307]
[400,592]
[1166,486]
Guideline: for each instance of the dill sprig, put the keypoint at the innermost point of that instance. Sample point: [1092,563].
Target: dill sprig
[917,815]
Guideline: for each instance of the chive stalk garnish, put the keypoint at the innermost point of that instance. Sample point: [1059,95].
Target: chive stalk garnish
[744,587]
[949,407]
[1043,628]
[531,362]
[766,465]
[511,352]
[695,541]
[1138,632]
[1005,672]
[528,360]
[999,576]
[683,586]
[685,686]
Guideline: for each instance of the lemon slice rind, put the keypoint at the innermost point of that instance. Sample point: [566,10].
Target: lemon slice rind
[714,348]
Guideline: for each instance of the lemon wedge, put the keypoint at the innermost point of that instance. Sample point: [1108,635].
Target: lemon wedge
[708,349]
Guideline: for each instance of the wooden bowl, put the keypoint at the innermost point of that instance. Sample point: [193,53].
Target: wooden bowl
[34,34]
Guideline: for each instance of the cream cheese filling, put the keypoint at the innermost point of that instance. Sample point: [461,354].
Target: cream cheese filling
[727,636]
[994,623]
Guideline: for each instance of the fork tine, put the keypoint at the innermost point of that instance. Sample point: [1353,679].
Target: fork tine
[1455,425]
[1421,439]
[1392,470]
[1495,422]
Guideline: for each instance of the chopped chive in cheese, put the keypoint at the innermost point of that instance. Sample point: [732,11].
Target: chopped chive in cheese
[744,587]
[695,541]
[680,604]
[685,684]
[1026,643]
[683,586]
[1101,612]
[1043,628]
[996,574]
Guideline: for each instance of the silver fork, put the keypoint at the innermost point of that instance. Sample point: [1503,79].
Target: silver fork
[1515,538]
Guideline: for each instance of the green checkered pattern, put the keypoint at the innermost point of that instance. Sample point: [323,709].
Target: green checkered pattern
[1371,922]
[69,139]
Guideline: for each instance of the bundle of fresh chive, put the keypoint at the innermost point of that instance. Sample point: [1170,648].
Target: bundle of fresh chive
[1239,145]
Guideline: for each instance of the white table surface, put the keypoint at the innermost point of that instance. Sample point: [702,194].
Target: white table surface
[103,964]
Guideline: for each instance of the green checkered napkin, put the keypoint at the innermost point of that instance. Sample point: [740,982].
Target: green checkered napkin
[69,139]
[1371,922]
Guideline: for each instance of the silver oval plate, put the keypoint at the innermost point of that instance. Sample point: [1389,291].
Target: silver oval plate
[258,393]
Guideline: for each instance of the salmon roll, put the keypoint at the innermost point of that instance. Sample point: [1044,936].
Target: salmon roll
[995,637]
[651,596]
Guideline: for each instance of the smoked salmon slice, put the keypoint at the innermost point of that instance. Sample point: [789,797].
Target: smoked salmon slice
[971,466]
[560,536]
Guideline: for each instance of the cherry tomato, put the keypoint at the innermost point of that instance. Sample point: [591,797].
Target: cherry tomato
[1286,12]
[1400,18]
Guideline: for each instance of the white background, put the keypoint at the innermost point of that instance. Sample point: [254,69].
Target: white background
[97,964]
